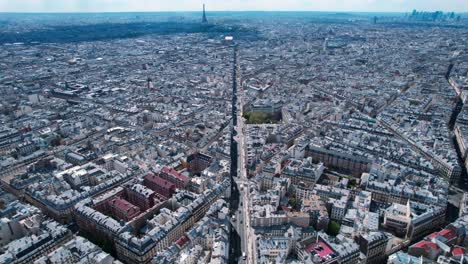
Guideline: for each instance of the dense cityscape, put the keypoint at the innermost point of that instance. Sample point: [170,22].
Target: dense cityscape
[243,137]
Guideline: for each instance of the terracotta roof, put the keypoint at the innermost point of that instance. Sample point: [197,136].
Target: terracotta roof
[322,249]
[160,181]
[174,173]
[181,241]
[427,245]
[458,251]
[123,205]
[448,234]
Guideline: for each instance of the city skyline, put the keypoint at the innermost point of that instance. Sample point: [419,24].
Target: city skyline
[237,5]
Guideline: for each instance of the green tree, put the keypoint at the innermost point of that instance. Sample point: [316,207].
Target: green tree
[333,228]
[352,183]
[258,118]
[293,202]
[56,141]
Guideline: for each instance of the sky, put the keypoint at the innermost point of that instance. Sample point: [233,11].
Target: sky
[230,5]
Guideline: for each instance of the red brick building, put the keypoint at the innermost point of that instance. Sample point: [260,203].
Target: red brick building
[180,180]
[140,196]
[122,209]
[198,162]
[159,185]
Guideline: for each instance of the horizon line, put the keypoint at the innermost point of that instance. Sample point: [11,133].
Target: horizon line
[213,11]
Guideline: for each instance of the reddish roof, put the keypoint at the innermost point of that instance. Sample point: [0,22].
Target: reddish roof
[181,241]
[427,245]
[174,173]
[458,251]
[320,248]
[160,181]
[446,233]
[123,204]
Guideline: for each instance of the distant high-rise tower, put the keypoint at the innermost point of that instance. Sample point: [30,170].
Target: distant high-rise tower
[149,83]
[204,20]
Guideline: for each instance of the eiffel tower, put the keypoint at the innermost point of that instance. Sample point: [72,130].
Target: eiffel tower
[204,20]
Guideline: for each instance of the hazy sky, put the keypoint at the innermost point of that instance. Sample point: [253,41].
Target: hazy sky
[230,5]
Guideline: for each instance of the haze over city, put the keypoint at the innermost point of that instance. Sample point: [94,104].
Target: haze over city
[231,5]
